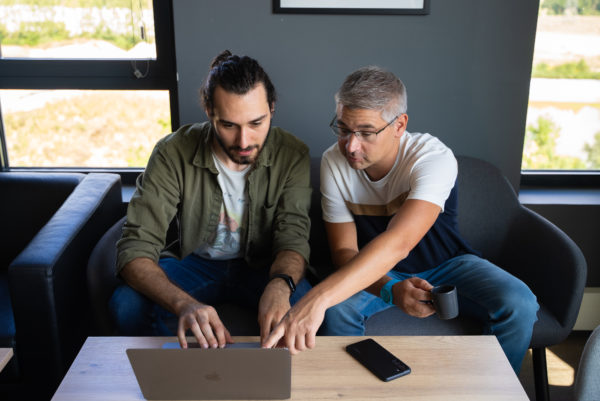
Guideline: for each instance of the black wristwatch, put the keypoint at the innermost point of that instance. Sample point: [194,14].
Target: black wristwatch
[287,279]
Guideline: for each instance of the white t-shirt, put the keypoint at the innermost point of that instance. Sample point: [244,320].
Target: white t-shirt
[226,242]
[424,169]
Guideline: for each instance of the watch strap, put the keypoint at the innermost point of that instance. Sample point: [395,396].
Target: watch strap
[287,279]
[386,291]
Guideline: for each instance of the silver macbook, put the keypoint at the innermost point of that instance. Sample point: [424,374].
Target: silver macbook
[216,374]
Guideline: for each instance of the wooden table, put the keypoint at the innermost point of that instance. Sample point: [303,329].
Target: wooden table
[5,355]
[443,368]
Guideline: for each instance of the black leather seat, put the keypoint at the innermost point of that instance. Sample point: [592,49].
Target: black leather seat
[50,223]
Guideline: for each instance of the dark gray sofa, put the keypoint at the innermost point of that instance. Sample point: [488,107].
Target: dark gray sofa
[492,220]
[50,223]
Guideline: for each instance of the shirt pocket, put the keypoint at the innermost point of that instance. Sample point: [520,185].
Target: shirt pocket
[267,215]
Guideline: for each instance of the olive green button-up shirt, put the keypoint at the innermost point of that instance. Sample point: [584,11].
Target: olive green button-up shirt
[181,180]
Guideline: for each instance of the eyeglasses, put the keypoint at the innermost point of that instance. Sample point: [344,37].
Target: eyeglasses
[344,133]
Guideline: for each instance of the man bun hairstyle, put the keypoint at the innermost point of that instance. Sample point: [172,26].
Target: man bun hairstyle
[373,88]
[221,57]
[237,75]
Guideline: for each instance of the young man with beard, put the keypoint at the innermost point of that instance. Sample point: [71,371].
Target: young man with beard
[240,190]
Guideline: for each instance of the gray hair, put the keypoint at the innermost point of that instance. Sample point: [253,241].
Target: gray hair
[373,88]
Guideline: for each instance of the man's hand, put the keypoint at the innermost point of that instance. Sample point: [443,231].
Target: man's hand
[298,328]
[409,295]
[146,276]
[273,305]
[204,323]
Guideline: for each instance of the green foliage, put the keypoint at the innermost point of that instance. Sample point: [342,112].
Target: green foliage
[581,7]
[123,41]
[593,153]
[3,33]
[137,156]
[36,33]
[576,70]
[540,149]
[588,7]
[554,6]
[166,125]
[39,33]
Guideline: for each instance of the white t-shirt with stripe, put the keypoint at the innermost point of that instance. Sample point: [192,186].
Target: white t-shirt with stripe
[424,169]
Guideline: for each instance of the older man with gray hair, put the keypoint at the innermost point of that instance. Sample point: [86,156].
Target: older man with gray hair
[389,200]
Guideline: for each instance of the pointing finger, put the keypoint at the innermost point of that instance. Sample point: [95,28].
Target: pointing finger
[274,337]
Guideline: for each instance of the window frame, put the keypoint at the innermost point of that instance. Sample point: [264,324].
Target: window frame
[560,179]
[86,74]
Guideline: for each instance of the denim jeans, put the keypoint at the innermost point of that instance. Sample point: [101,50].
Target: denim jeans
[209,281]
[503,303]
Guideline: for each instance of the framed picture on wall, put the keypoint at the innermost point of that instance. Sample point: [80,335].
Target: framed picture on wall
[418,7]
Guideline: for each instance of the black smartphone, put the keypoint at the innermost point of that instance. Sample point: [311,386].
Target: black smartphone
[378,360]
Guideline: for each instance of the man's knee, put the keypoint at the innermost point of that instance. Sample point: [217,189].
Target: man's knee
[340,311]
[343,319]
[521,305]
[528,307]
[129,309]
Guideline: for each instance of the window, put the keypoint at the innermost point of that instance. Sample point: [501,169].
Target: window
[563,118]
[83,128]
[85,83]
[88,29]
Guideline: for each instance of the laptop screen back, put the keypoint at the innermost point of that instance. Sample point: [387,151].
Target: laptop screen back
[198,374]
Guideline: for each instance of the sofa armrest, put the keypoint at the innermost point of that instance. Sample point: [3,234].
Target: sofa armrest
[546,259]
[23,213]
[47,280]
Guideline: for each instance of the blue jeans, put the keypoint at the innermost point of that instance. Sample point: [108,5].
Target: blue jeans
[209,281]
[503,303]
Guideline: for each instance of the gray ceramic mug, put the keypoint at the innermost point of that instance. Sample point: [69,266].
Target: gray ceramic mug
[445,301]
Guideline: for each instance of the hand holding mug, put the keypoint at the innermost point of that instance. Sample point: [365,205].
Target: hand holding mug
[445,301]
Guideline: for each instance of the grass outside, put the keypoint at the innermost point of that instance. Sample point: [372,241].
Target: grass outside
[100,129]
[52,34]
[574,70]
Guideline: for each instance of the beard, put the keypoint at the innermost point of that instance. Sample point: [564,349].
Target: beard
[236,158]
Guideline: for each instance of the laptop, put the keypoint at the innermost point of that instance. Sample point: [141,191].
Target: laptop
[216,374]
